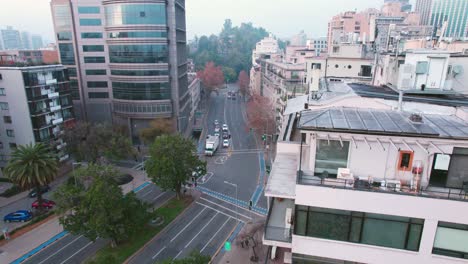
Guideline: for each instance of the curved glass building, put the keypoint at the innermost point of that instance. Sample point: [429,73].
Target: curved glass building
[129,57]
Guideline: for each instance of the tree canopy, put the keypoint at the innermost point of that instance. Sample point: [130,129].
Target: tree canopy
[232,48]
[159,126]
[172,161]
[92,142]
[261,114]
[194,258]
[243,80]
[100,209]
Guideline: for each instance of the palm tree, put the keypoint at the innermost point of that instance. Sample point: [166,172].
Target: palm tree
[32,166]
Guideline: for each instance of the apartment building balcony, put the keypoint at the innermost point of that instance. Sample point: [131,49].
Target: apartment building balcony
[53,95]
[55,108]
[278,228]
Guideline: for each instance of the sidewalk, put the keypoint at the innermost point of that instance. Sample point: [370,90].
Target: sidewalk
[50,231]
[240,255]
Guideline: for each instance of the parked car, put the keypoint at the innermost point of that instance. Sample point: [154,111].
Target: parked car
[42,189]
[45,204]
[226,143]
[225,127]
[18,216]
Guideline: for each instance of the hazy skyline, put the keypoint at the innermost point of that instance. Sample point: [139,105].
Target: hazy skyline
[283,18]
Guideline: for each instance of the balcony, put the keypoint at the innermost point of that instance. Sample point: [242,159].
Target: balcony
[57,121]
[53,95]
[278,226]
[55,108]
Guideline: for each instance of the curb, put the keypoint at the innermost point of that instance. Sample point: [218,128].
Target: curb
[159,234]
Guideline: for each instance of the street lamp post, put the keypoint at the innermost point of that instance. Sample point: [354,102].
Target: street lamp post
[237,197]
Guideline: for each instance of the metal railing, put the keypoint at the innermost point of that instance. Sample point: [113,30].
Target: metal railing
[457,194]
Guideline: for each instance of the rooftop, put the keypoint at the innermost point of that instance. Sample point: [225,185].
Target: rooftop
[386,122]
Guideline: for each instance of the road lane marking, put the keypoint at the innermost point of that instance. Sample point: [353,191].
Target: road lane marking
[230,200]
[159,252]
[77,252]
[216,210]
[225,208]
[42,246]
[203,228]
[143,195]
[61,249]
[187,225]
[211,239]
[159,195]
[180,252]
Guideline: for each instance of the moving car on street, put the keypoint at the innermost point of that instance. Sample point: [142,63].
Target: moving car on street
[212,143]
[45,204]
[226,143]
[216,122]
[18,216]
[225,128]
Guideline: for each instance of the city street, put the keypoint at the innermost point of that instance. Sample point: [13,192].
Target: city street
[76,249]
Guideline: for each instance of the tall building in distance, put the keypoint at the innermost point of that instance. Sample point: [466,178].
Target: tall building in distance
[127,60]
[405,4]
[11,38]
[299,39]
[26,40]
[455,13]
[36,42]
[423,8]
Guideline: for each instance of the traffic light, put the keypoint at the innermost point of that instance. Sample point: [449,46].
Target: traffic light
[264,136]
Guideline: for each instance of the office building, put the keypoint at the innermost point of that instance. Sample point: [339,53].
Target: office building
[405,4]
[26,40]
[35,106]
[36,42]
[11,38]
[455,13]
[299,39]
[127,60]
[423,8]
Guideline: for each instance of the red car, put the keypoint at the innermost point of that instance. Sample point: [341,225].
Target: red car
[45,204]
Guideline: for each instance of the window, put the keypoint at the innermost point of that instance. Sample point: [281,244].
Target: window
[91,35]
[136,14]
[97,84]
[91,48]
[336,66]
[88,10]
[359,227]
[330,155]
[7,119]
[4,106]
[10,133]
[451,240]
[140,73]
[141,91]
[138,53]
[67,56]
[96,72]
[64,35]
[336,49]
[349,67]
[405,161]
[2,92]
[13,146]
[317,66]
[98,95]
[94,59]
[366,71]
[90,22]
[71,72]
[138,34]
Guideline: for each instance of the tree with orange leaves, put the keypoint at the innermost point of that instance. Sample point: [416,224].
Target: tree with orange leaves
[243,81]
[261,114]
[212,76]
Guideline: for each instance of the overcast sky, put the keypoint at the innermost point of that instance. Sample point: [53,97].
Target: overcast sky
[281,17]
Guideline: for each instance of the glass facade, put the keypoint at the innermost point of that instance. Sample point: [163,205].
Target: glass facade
[93,48]
[96,72]
[62,15]
[88,10]
[97,84]
[140,72]
[98,95]
[452,11]
[90,22]
[330,155]
[138,53]
[138,34]
[71,72]
[94,59]
[91,35]
[451,240]
[135,14]
[64,35]
[67,56]
[74,89]
[359,227]
[141,91]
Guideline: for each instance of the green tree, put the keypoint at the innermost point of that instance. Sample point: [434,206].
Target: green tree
[32,166]
[172,161]
[93,142]
[229,74]
[101,209]
[194,258]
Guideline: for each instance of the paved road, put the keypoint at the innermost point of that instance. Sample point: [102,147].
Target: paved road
[75,249]
[203,227]
[209,222]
